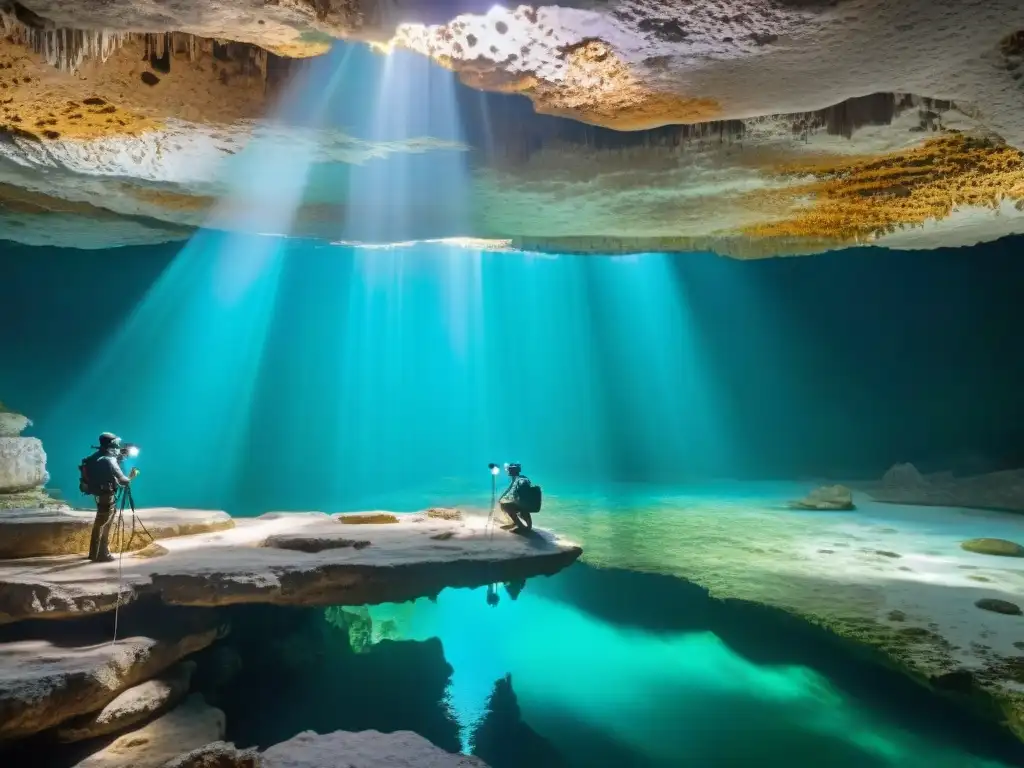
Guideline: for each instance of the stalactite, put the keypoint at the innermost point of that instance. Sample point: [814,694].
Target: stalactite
[64,49]
[67,49]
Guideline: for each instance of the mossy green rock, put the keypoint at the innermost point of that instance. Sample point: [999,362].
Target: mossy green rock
[999,547]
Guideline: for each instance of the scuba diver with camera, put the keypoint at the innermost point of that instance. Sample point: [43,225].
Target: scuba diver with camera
[101,476]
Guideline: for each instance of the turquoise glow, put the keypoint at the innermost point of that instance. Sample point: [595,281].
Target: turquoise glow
[381,370]
[661,696]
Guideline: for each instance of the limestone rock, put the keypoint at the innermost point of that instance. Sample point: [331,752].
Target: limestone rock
[13,424]
[998,547]
[366,518]
[133,705]
[187,727]
[1002,490]
[903,476]
[219,754]
[827,497]
[62,531]
[45,683]
[366,749]
[22,464]
[999,606]
[405,560]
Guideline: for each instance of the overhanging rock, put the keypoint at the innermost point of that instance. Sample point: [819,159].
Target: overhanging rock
[287,559]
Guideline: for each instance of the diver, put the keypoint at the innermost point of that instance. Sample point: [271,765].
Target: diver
[102,477]
[521,500]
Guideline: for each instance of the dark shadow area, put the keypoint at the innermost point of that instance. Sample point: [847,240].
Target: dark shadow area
[142,618]
[502,740]
[298,672]
[664,604]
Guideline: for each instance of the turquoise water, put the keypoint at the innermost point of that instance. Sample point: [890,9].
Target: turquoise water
[667,676]
[260,374]
[666,699]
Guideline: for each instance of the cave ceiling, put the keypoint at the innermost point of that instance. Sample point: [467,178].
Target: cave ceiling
[746,127]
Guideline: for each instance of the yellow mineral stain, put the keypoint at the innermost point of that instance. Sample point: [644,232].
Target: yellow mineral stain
[849,200]
[112,98]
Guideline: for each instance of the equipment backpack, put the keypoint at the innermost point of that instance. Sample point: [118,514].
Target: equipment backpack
[85,482]
[531,497]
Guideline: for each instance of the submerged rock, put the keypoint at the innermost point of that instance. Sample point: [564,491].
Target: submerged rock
[22,464]
[341,749]
[219,754]
[999,606]
[827,497]
[133,705]
[903,476]
[998,547]
[1002,490]
[366,749]
[191,725]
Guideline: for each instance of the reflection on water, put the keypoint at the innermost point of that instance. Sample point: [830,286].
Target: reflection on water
[667,698]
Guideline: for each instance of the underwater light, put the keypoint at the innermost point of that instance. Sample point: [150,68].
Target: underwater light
[131,451]
[495,469]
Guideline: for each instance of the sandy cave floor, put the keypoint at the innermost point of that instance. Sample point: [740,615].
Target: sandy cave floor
[891,577]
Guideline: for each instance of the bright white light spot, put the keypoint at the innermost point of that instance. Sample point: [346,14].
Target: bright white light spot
[472,243]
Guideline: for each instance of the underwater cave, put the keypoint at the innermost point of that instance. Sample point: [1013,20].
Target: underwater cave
[393,385]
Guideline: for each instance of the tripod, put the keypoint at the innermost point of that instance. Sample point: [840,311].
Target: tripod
[124,500]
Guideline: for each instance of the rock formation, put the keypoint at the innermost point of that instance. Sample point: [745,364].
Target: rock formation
[996,547]
[903,484]
[22,459]
[189,726]
[113,659]
[47,682]
[826,497]
[366,749]
[653,126]
[132,706]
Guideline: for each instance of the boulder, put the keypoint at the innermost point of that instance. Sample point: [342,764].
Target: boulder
[190,725]
[999,606]
[63,531]
[22,464]
[366,749]
[132,706]
[219,754]
[12,424]
[998,547]
[827,497]
[44,683]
